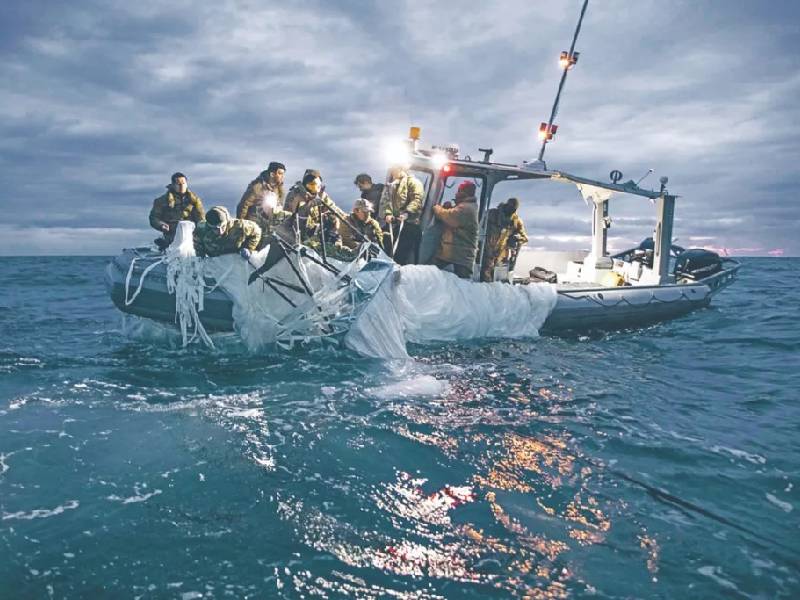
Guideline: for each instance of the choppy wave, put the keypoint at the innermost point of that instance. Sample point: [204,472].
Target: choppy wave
[636,464]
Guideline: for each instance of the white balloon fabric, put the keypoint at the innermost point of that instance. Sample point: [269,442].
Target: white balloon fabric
[422,304]
[376,314]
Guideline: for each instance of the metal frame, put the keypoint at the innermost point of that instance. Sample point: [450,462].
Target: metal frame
[494,173]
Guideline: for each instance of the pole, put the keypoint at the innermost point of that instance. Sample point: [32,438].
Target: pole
[391,238]
[397,239]
[563,80]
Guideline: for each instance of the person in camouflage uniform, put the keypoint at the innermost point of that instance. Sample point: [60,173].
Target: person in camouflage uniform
[298,191]
[316,209]
[361,222]
[505,232]
[494,243]
[517,236]
[262,201]
[402,201]
[220,234]
[177,204]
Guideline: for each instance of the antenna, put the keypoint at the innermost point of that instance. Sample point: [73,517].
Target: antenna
[567,61]
[643,176]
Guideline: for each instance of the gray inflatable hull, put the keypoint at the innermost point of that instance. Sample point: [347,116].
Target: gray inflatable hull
[154,301]
[578,309]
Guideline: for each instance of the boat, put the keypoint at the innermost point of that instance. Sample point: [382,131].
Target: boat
[653,282]
[305,294]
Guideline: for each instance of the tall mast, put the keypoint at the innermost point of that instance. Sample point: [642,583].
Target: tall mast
[567,61]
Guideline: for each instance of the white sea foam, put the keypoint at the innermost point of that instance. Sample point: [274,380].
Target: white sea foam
[247,413]
[137,497]
[749,457]
[41,513]
[715,573]
[19,402]
[424,385]
[134,499]
[782,504]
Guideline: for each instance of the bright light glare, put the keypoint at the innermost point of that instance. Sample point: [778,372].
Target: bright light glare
[396,152]
[270,201]
[439,160]
[563,63]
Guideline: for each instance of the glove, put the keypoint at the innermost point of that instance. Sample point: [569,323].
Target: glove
[245,253]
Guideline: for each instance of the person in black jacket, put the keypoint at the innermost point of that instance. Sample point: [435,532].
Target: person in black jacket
[371,192]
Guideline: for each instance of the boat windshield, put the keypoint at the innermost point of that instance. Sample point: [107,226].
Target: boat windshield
[425,176]
[451,185]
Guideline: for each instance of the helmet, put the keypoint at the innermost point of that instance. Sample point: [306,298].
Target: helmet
[363,204]
[217,216]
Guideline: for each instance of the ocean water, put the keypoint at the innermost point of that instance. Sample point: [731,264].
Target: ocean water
[657,463]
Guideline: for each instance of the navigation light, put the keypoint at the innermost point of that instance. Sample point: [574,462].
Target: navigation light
[439,160]
[547,132]
[397,152]
[567,60]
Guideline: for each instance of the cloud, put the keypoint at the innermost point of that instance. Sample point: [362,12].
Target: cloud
[101,101]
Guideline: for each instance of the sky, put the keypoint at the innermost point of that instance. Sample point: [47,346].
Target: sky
[102,100]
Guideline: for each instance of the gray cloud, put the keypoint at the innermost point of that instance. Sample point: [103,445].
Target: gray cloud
[101,101]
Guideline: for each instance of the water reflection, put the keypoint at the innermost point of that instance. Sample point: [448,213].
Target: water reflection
[521,506]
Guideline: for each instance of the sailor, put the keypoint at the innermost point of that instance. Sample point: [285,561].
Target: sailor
[370,191]
[220,234]
[517,236]
[267,187]
[401,206]
[316,213]
[262,201]
[459,241]
[494,240]
[360,226]
[297,191]
[177,204]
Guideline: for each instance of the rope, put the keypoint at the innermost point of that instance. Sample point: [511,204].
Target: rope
[219,281]
[129,301]
[624,300]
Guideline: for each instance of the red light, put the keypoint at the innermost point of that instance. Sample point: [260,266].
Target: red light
[567,60]
[547,133]
[447,168]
